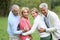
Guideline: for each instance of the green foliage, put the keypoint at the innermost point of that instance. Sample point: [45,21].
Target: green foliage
[31,3]
[57,9]
[6,4]
[28,3]
[3,28]
[4,7]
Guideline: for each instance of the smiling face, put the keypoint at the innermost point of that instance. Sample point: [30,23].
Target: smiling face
[44,11]
[34,14]
[25,13]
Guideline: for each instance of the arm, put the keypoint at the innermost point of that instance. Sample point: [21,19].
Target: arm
[32,29]
[14,25]
[55,27]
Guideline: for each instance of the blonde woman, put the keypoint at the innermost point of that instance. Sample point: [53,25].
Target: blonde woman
[25,23]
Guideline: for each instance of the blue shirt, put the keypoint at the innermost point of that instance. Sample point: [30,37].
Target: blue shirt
[13,22]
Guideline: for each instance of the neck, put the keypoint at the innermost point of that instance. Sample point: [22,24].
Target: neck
[25,17]
[46,15]
[35,16]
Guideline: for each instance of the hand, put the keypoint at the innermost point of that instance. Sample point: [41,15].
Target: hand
[25,29]
[24,34]
[41,30]
[31,37]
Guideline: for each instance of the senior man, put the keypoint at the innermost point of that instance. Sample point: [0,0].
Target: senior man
[13,21]
[51,20]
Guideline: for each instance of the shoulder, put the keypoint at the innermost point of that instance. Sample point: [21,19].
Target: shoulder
[22,19]
[53,13]
[54,16]
[38,18]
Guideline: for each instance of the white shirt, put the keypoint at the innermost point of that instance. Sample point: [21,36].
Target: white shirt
[38,23]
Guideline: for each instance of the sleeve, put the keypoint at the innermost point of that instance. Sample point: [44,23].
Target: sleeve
[32,29]
[55,27]
[14,25]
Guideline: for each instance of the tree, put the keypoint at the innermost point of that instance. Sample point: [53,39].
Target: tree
[4,7]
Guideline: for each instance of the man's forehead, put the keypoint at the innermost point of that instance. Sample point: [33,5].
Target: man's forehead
[43,8]
[15,8]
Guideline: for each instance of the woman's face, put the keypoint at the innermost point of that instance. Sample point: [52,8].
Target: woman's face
[25,13]
[34,14]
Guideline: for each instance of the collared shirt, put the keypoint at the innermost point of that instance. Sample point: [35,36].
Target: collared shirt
[13,22]
[38,23]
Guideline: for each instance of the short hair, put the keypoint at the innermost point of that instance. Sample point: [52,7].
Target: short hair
[35,10]
[14,6]
[43,5]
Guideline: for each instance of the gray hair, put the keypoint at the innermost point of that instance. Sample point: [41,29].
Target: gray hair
[14,6]
[43,5]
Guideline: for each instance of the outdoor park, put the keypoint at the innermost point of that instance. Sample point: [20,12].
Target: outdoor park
[5,5]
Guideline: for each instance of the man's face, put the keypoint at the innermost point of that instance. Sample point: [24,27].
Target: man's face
[16,11]
[44,11]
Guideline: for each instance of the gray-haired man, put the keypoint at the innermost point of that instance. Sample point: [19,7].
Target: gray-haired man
[13,21]
[51,20]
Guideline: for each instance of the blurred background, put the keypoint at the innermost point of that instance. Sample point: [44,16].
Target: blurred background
[5,6]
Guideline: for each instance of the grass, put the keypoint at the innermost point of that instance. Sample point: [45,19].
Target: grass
[3,29]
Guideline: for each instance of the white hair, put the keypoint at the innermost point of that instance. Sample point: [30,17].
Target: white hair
[43,5]
[15,6]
